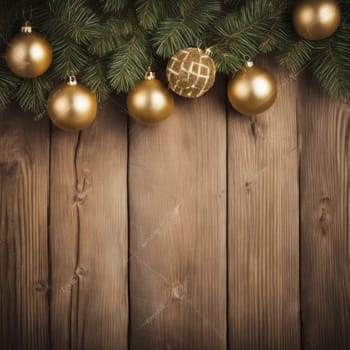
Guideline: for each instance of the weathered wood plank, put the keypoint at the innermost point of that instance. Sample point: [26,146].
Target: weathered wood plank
[263,241]
[89,234]
[324,187]
[177,201]
[24,167]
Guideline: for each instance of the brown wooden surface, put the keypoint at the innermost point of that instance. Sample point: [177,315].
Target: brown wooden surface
[24,168]
[211,257]
[263,240]
[324,189]
[177,196]
[88,235]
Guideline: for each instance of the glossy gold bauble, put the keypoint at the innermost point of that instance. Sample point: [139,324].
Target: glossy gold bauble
[71,106]
[316,19]
[28,54]
[149,102]
[252,90]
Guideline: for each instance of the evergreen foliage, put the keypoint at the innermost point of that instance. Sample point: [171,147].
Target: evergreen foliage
[109,44]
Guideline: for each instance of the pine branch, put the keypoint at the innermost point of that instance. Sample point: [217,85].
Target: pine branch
[111,34]
[151,12]
[7,26]
[330,61]
[8,84]
[110,49]
[71,19]
[187,29]
[226,61]
[113,6]
[94,77]
[331,65]
[68,58]
[129,63]
[275,35]
[31,94]
[295,53]
[243,33]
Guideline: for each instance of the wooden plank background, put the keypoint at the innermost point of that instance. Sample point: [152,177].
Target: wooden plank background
[210,231]
[263,224]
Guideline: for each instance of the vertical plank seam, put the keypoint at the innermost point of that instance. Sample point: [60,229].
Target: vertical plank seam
[128,227]
[227,219]
[347,133]
[299,142]
[48,232]
[76,286]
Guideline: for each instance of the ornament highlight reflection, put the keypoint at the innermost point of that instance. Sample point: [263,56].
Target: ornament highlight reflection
[71,106]
[149,102]
[28,54]
[252,90]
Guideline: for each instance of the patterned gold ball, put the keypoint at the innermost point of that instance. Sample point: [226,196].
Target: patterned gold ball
[149,102]
[252,90]
[316,19]
[28,54]
[71,106]
[191,72]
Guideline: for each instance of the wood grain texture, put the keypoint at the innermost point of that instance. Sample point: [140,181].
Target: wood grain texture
[24,160]
[324,125]
[88,235]
[263,236]
[64,227]
[177,201]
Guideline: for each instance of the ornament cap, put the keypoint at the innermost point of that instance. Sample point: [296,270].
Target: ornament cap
[72,80]
[249,64]
[27,28]
[150,75]
[208,51]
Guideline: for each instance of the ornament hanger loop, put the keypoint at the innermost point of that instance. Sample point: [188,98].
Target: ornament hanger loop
[27,28]
[72,80]
[199,44]
[25,18]
[150,61]
[208,51]
[248,61]
[149,74]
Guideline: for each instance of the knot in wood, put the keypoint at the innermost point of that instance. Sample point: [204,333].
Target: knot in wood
[325,214]
[81,271]
[40,286]
[178,291]
[248,185]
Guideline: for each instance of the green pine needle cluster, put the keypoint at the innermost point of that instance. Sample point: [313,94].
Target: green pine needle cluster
[109,44]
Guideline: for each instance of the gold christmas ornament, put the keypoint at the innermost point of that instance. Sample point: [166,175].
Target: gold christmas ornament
[316,19]
[149,102]
[71,106]
[191,72]
[252,90]
[28,54]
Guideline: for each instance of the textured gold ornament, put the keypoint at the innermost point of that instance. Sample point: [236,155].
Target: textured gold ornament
[71,106]
[252,90]
[316,19]
[28,54]
[149,102]
[191,72]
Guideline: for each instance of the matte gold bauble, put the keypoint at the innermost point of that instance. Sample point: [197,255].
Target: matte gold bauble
[252,90]
[71,106]
[191,72]
[28,54]
[149,102]
[316,19]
